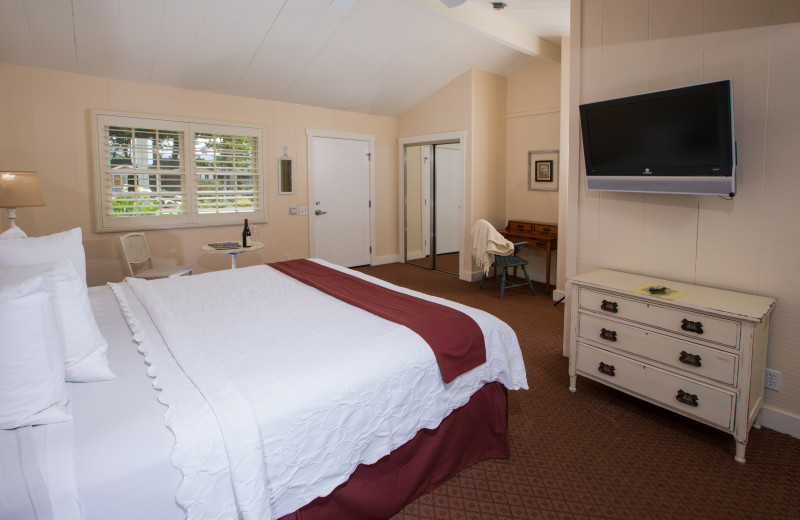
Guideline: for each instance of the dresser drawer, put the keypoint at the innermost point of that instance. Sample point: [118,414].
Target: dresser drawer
[710,404]
[691,358]
[519,227]
[545,228]
[675,319]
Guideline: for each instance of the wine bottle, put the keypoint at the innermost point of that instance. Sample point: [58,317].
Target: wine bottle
[245,234]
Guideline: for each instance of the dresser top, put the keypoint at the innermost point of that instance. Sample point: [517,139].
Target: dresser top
[739,305]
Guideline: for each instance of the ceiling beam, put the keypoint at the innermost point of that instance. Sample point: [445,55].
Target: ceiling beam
[507,33]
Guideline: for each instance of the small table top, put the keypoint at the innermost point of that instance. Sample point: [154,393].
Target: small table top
[208,248]
[232,250]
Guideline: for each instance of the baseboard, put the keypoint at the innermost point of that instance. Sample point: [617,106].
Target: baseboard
[558,295]
[780,421]
[381,260]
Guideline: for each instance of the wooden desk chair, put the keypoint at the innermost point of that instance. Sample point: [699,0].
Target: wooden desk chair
[136,253]
[504,262]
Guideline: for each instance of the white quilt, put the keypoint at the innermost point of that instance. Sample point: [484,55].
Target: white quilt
[276,391]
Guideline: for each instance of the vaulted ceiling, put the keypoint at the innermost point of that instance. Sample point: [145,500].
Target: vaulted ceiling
[376,56]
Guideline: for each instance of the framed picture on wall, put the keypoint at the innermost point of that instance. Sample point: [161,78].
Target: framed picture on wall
[543,170]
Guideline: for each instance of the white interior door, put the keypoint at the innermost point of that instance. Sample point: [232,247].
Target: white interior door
[340,200]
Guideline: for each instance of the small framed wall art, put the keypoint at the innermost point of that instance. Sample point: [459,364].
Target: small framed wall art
[543,170]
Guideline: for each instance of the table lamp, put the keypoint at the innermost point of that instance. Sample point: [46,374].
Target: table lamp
[19,190]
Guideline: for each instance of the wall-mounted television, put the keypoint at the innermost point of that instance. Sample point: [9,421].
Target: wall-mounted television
[671,141]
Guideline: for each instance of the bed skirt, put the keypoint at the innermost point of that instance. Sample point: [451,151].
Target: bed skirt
[475,432]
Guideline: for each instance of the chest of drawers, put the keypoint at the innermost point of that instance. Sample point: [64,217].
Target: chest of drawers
[698,351]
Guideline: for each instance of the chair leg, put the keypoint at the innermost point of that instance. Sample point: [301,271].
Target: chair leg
[527,278]
[503,283]
[483,279]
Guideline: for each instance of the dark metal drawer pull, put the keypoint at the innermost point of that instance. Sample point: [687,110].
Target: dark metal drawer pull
[606,369]
[610,335]
[692,326]
[609,306]
[546,229]
[686,398]
[690,359]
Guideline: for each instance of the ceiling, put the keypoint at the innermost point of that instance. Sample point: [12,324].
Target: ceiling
[378,56]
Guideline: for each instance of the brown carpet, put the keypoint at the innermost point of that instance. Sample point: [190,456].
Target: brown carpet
[598,453]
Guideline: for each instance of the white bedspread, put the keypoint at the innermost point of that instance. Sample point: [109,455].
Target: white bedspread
[281,390]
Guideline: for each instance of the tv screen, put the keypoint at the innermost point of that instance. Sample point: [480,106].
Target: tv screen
[670,141]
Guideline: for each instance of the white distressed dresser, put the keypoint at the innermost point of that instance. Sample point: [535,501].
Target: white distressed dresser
[695,350]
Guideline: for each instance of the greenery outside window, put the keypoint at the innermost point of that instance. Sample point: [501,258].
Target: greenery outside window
[155,172]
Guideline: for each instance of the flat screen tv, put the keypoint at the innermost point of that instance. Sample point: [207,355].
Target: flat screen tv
[671,141]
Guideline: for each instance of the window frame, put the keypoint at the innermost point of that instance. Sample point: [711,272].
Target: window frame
[191,218]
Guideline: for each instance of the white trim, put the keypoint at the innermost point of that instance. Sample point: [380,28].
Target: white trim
[461,137]
[391,259]
[311,133]
[568,231]
[780,421]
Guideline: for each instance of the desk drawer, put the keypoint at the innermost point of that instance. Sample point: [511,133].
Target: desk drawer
[691,358]
[545,228]
[515,226]
[673,391]
[697,326]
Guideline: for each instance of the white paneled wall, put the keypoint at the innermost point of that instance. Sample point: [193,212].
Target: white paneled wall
[751,243]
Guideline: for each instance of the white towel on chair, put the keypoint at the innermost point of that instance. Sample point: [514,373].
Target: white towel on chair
[488,242]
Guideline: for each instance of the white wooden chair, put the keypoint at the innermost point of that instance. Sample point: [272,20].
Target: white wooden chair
[140,263]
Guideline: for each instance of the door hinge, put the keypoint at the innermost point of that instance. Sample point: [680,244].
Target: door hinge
[370,249]
[369,204]
[369,156]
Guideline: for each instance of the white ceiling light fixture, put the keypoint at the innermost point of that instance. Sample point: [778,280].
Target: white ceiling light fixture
[342,4]
[498,6]
[453,3]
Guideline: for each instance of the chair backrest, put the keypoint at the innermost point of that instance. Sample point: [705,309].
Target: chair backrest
[135,250]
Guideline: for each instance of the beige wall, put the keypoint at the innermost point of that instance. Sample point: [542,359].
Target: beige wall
[533,124]
[45,127]
[750,244]
[489,95]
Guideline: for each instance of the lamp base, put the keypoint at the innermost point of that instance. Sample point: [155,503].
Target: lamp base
[12,216]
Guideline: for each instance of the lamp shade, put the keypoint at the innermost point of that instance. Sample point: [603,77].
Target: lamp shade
[20,190]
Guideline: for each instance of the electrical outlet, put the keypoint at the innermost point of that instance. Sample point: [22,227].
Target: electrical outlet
[303,210]
[773,380]
[292,210]
[286,256]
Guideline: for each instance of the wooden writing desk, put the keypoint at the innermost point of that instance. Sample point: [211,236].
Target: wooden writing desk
[538,236]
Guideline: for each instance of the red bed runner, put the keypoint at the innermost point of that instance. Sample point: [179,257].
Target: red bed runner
[455,338]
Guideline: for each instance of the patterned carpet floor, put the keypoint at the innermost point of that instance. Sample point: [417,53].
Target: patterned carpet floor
[598,453]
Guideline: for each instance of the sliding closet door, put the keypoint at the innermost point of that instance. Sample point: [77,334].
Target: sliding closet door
[433,205]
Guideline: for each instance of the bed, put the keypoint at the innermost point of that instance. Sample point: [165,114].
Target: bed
[249,393]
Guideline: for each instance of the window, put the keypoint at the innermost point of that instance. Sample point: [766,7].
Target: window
[161,173]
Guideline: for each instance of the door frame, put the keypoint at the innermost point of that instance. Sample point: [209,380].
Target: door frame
[311,133]
[439,138]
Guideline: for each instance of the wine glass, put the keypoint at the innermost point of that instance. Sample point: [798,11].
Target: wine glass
[254,231]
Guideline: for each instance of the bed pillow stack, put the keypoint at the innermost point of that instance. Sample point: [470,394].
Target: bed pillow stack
[49,334]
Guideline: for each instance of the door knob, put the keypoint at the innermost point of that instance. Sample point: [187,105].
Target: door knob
[319,212]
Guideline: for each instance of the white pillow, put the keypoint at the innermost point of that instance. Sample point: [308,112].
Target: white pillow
[32,387]
[35,250]
[12,233]
[84,345]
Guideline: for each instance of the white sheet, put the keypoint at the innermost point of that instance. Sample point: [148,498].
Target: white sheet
[316,387]
[113,459]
